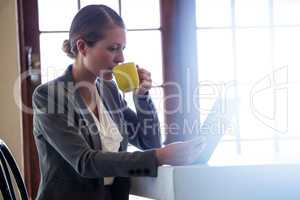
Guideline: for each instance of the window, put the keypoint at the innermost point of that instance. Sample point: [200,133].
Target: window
[142,20]
[254,45]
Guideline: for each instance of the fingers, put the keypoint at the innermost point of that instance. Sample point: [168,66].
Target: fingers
[142,70]
[145,77]
[146,85]
[144,74]
[145,80]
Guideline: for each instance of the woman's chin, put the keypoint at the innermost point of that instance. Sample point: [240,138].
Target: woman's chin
[107,76]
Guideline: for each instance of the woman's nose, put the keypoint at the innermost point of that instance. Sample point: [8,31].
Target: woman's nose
[120,57]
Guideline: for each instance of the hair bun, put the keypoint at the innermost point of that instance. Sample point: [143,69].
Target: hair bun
[67,48]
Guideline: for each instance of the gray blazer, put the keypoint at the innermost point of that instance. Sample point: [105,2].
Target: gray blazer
[72,165]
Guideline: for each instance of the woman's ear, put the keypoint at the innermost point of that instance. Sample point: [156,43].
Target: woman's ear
[81,46]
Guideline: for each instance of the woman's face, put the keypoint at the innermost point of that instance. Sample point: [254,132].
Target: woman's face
[106,53]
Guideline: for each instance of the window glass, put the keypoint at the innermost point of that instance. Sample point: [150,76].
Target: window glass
[139,14]
[263,62]
[144,48]
[114,4]
[252,12]
[213,13]
[53,60]
[286,12]
[289,150]
[53,15]
[215,56]
[253,54]
[250,151]
[286,48]
[224,148]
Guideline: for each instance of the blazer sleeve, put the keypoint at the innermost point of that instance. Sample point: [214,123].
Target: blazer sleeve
[143,127]
[68,141]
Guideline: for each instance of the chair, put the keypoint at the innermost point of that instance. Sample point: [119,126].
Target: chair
[5,191]
[7,159]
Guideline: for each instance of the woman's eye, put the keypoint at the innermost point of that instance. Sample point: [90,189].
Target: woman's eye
[113,48]
[116,48]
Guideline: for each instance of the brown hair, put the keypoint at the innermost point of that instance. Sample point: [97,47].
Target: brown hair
[90,24]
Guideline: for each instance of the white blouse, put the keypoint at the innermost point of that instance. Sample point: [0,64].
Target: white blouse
[108,131]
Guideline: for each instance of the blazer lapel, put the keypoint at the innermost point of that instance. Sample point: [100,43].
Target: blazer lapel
[109,95]
[85,113]
[109,100]
[81,108]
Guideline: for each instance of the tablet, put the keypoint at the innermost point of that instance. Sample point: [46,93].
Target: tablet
[214,126]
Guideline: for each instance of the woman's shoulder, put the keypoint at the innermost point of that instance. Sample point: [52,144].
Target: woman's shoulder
[60,81]
[44,88]
[49,90]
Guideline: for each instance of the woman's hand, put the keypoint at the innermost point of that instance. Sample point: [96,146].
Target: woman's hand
[145,81]
[180,153]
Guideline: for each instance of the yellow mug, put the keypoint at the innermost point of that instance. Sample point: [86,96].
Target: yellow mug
[126,76]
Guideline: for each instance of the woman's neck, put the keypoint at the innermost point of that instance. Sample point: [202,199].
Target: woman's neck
[82,74]
[84,79]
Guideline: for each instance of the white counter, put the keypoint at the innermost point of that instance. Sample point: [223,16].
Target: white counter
[251,182]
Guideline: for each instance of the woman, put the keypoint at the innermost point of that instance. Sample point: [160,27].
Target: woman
[82,125]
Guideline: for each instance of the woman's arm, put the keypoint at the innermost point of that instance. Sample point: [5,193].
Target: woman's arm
[68,141]
[143,126]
